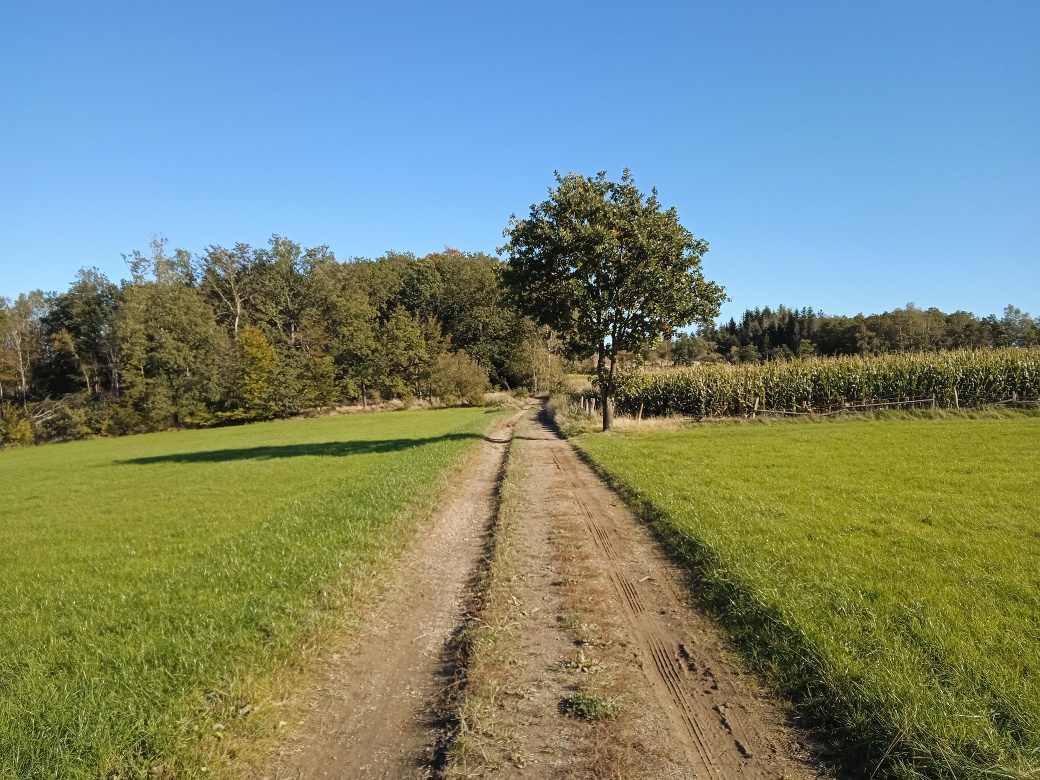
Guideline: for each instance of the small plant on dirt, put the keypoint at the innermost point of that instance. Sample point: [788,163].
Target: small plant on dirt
[583,663]
[589,707]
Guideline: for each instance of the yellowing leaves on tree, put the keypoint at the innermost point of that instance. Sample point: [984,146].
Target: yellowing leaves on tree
[257,363]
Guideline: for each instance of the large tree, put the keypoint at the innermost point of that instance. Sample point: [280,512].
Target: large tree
[168,340]
[608,269]
[224,277]
[20,340]
[84,317]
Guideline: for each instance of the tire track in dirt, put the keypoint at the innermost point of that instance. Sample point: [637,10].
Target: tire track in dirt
[375,710]
[583,564]
[723,724]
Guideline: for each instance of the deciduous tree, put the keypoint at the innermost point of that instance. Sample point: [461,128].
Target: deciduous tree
[608,269]
[168,340]
[21,339]
[456,376]
[86,314]
[256,364]
[225,276]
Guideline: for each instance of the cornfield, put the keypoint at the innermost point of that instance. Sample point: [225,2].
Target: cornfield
[827,385]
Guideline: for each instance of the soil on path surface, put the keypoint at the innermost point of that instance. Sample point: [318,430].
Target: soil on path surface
[718,720]
[374,711]
[596,610]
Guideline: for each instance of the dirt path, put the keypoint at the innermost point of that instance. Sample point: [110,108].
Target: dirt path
[373,714]
[717,718]
[596,610]
[583,606]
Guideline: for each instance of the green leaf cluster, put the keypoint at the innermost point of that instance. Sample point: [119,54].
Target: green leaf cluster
[606,267]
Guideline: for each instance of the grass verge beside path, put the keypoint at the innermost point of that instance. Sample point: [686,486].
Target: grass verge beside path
[151,585]
[882,573]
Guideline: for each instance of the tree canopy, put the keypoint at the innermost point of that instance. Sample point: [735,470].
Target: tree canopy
[250,333]
[608,269]
[241,334]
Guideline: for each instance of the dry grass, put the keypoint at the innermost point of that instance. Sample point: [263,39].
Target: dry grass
[478,744]
[505,400]
[572,420]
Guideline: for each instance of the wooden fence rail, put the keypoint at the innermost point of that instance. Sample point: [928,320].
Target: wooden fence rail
[590,404]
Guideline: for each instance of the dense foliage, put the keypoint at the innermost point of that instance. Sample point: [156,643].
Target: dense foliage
[242,333]
[609,269]
[785,333]
[946,379]
[249,334]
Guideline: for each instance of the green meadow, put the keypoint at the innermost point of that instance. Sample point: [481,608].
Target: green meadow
[149,585]
[882,573]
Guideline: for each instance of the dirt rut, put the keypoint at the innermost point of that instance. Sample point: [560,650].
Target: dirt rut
[596,607]
[711,721]
[374,710]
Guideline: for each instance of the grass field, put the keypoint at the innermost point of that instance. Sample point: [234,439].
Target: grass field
[149,585]
[883,573]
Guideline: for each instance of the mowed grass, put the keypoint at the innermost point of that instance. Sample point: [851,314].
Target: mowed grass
[148,584]
[885,574]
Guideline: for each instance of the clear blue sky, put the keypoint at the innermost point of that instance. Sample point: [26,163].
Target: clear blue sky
[847,156]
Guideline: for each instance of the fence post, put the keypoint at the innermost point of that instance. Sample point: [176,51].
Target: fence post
[933,400]
[754,412]
[639,417]
[956,400]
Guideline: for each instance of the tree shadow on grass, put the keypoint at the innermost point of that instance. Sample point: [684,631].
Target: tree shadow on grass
[333,449]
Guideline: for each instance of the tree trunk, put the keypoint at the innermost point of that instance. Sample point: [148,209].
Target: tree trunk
[23,384]
[607,388]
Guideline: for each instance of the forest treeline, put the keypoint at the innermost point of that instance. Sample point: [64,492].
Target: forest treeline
[786,333]
[243,333]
